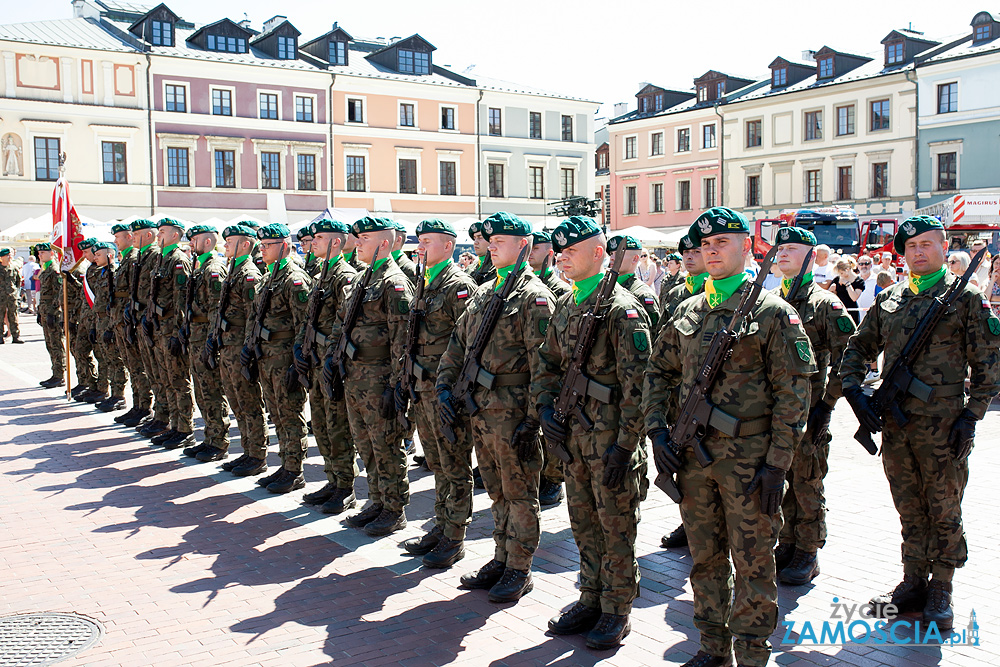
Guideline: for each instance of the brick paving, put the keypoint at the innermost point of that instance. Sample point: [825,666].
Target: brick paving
[184,565]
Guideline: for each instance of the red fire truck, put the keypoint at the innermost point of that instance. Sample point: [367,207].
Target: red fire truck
[834,226]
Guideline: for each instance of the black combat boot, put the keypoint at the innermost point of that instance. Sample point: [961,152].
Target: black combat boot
[194,451]
[211,453]
[17,341]
[319,496]
[52,382]
[179,439]
[803,569]
[702,659]
[549,492]
[77,390]
[153,427]
[140,416]
[477,479]
[365,516]
[250,466]
[609,632]
[577,619]
[94,396]
[288,480]
[126,415]
[908,596]
[388,521]
[513,585]
[418,546]
[485,577]
[342,499]
[938,606]
[229,466]
[445,553]
[783,554]
[160,438]
[676,539]
[267,479]
[112,404]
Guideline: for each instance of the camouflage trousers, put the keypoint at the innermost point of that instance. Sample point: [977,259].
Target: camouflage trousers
[8,311]
[332,432]
[604,521]
[927,488]
[804,504]
[141,393]
[285,406]
[246,401]
[82,350]
[450,463]
[175,376]
[110,367]
[379,441]
[721,521]
[161,406]
[511,484]
[210,397]
[54,341]
[552,467]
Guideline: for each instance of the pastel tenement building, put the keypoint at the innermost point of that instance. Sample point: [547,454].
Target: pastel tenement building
[158,115]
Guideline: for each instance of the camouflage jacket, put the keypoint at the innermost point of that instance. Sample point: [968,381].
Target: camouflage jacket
[767,375]
[646,297]
[356,262]
[99,283]
[617,359]
[556,285]
[513,348]
[445,299]
[149,262]
[336,286]
[408,268]
[238,318]
[668,283]
[677,295]
[207,278]
[312,265]
[380,331]
[123,282]
[173,271]
[10,281]
[92,279]
[965,343]
[289,286]
[50,288]
[483,272]
[829,327]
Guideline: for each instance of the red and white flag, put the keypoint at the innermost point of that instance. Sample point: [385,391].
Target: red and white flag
[67,230]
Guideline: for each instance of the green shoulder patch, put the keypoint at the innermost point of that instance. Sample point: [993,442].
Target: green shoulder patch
[303,296]
[994,324]
[217,286]
[845,324]
[250,293]
[543,325]
[404,306]
[802,347]
[182,278]
[640,340]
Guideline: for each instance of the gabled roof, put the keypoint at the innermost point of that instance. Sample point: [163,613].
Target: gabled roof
[273,29]
[650,88]
[909,36]
[782,62]
[77,32]
[204,28]
[336,33]
[144,16]
[979,15]
[826,50]
[413,40]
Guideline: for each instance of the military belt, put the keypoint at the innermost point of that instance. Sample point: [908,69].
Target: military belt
[101,313]
[270,336]
[430,350]
[602,387]
[229,324]
[927,393]
[322,336]
[200,319]
[121,295]
[356,353]
[490,380]
[735,427]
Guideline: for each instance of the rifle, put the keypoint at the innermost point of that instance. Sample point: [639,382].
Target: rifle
[210,353]
[697,409]
[184,333]
[472,369]
[409,361]
[316,298]
[110,270]
[251,372]
[899,380]
[132,310]
[575,383]
[546,265]
[345,348]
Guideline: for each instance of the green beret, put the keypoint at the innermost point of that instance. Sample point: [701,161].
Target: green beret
[4,252]
[105,245]
[119,227]
[505,224]
[541,237]
[795,235]
[170,222]
[914,226]
[88,243]
[275,230]
[250,222]
[328,225]
[631,243]
[238,230]
[676,256]
[475,227]
[39,247]
[718,220]
[572,230]
[436,226]
[686,244]
[305,232]
[398,226]
[142,223]
[370,224]
[200,229]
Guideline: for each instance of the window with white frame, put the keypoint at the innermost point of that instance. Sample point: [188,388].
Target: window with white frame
[536,182]
[447,118]
[269,106]
[225,168]
[176,98]
[355,173]
[708,192]
[567,182]
[286,48]
[448,175]
[406,114]
[355,110]
[305,171]
[630,147]
[178,174]
[222,102]
[303,109]
[708,136]
[495,179]
[684,140]
[683,195]
[631,200]
[407,176]
[656,198]
[656,143]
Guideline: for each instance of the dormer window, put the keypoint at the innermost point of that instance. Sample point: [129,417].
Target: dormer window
[702,93]
[286,48]
[720,90]
[163,33]
[894,53]
[983,32]
[826,68]
[338,52]
[413,62]
[643,104]
[226,44]
[779,77]
[659,101]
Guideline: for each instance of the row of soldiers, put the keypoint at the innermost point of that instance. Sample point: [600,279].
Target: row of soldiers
[502,366]
[10,296]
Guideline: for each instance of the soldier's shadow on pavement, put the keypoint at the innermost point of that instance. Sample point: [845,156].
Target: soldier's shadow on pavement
[557,652]
[76,451]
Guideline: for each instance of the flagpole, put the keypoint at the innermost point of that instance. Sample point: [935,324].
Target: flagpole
[65,297]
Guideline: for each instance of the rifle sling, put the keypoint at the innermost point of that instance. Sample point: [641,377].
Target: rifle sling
[926,393]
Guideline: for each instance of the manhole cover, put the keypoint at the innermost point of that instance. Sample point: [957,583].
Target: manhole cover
[31,640]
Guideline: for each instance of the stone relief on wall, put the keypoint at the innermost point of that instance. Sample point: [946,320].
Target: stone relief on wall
[11,149]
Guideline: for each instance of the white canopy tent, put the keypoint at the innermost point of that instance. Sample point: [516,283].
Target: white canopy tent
[650,238]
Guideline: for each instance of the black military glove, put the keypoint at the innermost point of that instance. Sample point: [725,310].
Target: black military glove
[525,440]
[299,360]
[50,320]
[208,351]
[666,460]
[616,461]
[92,336]
[291,378]
[108,337]
[771,481]
[399,397]
[551,428]
[246,356]
[962,435]
[329,372]
[127,314]
[72,328]
[147,326]
[174,346]
[864,409]
[386,405]
[446,407]
[818,423]
[38,317]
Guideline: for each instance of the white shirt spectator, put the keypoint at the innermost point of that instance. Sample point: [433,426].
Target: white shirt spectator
[27,271]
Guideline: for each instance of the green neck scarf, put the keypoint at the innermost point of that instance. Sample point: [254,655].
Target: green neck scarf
[502,274]
[395,254]
[277,266]
[786,283]
[166,250]
[379,263]
[333,260]
[582,289]
[146,247]
[695,283]
[539,273]
[240,260]
[920,284]
[482,260]
[310,256]
[718,291]
[348,256]
[47,264]
[623,278]
[432,272]
[202,258]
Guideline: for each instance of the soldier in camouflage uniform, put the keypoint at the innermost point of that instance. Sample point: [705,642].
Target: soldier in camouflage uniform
[112,374]
[550,489]
[207,275]
[141,394]
[10,291]
[50,313]
[93,285]
[926,460]
[505,427]
[329,417]
[828,326]
[406,264]
[373,370]
[482,271]
[674,275]
[79,328]
[606,478]
[172,273]
[351,253]
[447,291]
[244,396]
[642,292]
[144,238]
[309,260]
[284,396]
[731,508]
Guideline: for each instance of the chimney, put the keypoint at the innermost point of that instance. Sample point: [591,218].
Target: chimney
[245,24]
[84,10]
[621,108]
[336,24]
[273,21]
[809,56]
